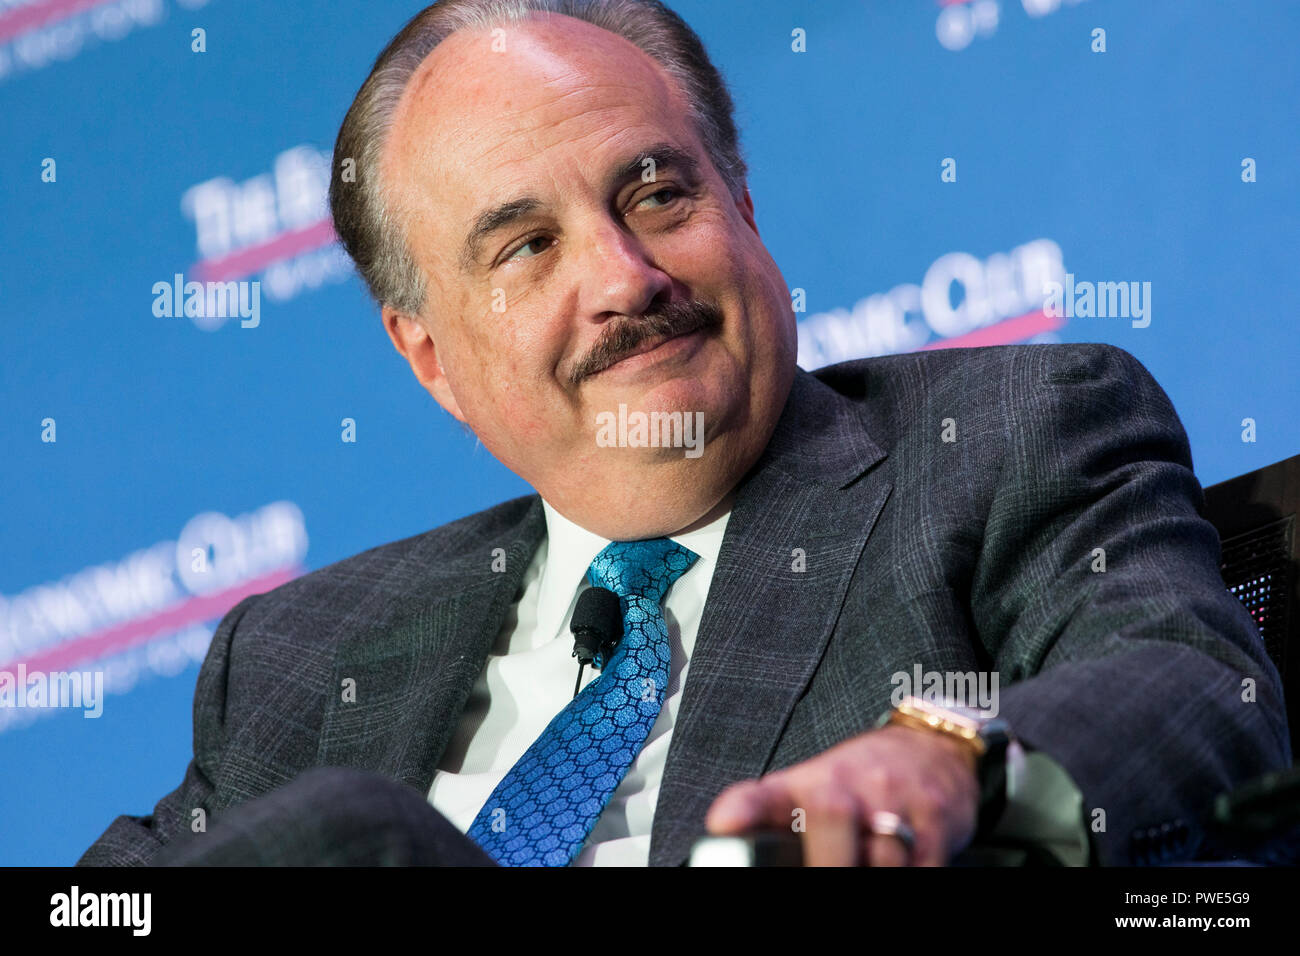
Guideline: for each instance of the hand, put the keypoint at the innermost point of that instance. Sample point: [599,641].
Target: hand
[925,777]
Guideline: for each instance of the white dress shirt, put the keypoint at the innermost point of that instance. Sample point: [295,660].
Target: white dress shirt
[529,678]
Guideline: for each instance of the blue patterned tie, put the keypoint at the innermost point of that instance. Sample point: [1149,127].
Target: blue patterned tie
[541,812]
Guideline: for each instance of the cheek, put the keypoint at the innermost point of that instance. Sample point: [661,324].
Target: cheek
[491,343]
[757,281]
[710,247]
[717,258]
[513,378]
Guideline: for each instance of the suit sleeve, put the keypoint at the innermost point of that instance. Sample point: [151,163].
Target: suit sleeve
[1097,592]
[135,841]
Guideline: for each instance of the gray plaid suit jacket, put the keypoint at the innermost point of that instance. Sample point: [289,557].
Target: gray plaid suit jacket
[970,555]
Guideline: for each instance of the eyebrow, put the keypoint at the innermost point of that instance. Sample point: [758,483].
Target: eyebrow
[663,155]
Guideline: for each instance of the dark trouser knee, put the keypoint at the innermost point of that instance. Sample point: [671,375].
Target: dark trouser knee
[330,816]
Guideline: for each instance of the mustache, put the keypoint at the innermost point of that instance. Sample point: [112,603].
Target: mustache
[671,320]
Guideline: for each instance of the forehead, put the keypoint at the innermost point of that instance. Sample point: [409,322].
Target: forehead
[560,96]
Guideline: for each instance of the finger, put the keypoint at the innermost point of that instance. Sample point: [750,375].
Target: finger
[885,850]
[931,827]
[833,826]
[749,805]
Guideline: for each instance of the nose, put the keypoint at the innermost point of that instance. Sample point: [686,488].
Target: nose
[619,275]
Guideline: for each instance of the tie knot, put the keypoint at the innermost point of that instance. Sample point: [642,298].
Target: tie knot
[640,568]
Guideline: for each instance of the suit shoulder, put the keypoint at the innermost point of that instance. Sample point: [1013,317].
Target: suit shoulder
[982,368]
[998,390]
[439,552]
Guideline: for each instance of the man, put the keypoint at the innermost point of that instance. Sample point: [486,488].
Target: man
[556,226]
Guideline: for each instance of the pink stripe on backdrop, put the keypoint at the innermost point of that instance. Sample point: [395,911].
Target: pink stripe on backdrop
[38,14]
[255,258]
[1005,332]
[119,637]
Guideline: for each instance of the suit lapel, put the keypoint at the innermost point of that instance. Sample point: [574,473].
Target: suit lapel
[766,622]
[414,668]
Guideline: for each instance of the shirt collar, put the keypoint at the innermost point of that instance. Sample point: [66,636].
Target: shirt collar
[570,549]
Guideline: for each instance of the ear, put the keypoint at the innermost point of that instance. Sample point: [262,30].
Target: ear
[413,341]
[746,206]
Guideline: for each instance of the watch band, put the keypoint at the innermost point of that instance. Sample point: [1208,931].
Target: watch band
[943,718]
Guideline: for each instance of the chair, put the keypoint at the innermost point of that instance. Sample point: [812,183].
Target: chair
[1256,516]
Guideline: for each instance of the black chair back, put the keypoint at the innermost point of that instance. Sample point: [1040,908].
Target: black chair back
[1256,516]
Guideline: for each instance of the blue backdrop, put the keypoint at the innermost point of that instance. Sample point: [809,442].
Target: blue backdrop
[921,171]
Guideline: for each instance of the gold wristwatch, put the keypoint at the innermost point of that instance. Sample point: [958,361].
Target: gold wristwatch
[977,731]
[987,737]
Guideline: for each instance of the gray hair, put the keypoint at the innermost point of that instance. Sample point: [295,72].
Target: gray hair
[363,215]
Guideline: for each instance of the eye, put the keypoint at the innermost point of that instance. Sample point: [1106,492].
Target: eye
[531,242]
[667,189]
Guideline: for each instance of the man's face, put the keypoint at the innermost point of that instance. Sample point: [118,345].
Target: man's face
[567,275]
